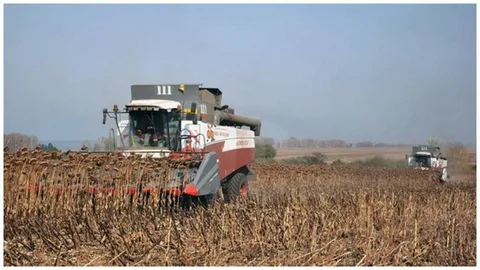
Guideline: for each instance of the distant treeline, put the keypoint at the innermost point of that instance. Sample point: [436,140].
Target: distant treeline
[14,142]
[294,142]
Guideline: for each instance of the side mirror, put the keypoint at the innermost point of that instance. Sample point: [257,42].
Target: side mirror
[193,110]
[105,111]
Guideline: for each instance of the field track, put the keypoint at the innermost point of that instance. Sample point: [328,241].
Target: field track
[296,215]
[352,154]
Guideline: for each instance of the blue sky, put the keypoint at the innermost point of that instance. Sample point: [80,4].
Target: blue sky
[384,73]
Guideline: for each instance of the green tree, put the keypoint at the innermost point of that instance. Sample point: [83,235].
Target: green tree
[265,151]
[48,147]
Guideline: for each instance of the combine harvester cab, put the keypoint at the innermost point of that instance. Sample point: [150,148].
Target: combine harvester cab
[207,136]
[425,157]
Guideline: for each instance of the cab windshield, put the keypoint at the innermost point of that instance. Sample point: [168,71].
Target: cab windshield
[154,129]
[422,160]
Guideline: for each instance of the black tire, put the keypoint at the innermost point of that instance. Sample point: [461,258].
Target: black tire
[232,189]
[207,200]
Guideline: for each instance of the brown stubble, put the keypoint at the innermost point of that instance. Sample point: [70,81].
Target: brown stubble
[296,215]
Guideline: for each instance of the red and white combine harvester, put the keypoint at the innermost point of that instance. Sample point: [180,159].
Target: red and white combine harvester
[159,125]
[426,157]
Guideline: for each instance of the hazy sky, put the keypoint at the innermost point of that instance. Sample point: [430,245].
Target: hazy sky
[392,73]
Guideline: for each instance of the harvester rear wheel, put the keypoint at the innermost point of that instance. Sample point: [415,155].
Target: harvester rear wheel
[235,187]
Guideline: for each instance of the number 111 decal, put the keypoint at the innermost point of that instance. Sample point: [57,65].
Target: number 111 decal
[164,90]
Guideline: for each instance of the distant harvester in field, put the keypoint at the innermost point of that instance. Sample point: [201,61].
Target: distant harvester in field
[427,157]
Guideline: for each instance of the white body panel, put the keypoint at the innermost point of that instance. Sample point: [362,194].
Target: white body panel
[442,163]
[410,161]
[156,103]
[124,126]
[234,138]
[423,154]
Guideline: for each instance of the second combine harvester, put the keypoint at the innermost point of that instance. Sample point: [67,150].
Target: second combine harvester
[188,121]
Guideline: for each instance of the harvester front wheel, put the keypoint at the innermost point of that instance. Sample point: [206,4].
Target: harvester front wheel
[191,201]
[235,187]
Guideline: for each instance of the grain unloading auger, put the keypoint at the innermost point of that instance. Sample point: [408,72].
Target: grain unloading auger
[208,144]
